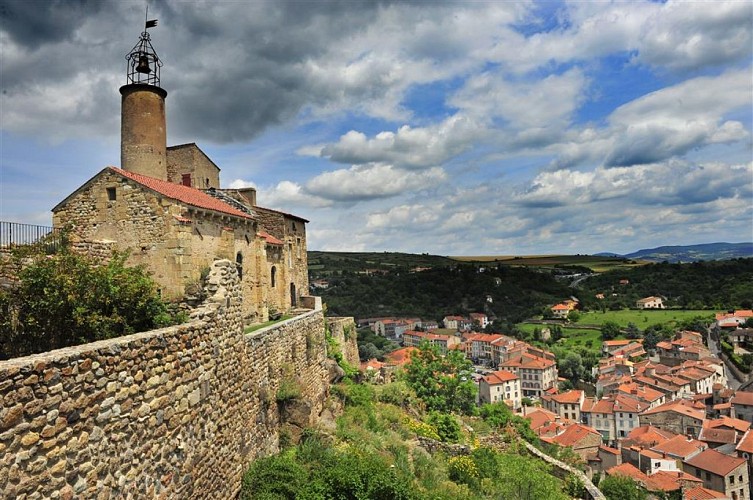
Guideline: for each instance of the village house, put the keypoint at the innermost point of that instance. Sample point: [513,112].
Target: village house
[537,374]
[679,416]
[650,303]
[412,338]
[479,346]
[680,448]
[742,405]
[674,352]
[501,386]
[583,440]
[566,405]
[610,346]
[720,472]
[732,319]
[479,320]
[560,311]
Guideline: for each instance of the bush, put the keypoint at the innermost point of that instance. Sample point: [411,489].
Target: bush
[447,426]
[68,299]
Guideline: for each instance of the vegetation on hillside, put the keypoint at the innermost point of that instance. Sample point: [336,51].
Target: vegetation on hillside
[714,285]
[515,293]
[68,299]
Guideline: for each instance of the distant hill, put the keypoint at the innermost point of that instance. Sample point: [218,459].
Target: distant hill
[693,253]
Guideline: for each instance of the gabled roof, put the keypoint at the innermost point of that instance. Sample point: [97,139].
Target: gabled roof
[572,396]
[746,443]
[679,406]
[680,446]
[648,435]
[715,462]
[728,423]
[701,493]
[574,434]
[184,194]
[742,398]
[718,436]
[499,377]
[193,145]
[540,417]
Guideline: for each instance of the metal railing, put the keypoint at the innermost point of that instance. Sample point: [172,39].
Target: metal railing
[14,234]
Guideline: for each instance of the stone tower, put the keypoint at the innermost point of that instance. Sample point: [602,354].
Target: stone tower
[143,130]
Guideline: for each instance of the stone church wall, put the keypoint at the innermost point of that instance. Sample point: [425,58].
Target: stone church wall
[177,412]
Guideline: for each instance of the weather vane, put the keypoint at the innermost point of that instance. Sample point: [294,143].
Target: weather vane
[143,63]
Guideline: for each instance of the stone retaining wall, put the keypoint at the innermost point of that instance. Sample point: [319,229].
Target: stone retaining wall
[343,330]
[178,412]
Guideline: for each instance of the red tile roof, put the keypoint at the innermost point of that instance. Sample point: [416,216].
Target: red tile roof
[572,396]
[648,435]
[400,356]
[499,377]
[574,434]
[715,462]
[742,398]
[188,195]
[746,443]
[701,493]
[728,423]
[269,238]
[680,446]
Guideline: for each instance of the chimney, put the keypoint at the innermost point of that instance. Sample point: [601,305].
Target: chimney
[249,194]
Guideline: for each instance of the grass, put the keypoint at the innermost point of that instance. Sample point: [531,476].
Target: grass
[642,318]
[571,337]
[259,326]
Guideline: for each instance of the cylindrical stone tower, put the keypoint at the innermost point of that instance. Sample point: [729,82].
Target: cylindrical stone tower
[143,130]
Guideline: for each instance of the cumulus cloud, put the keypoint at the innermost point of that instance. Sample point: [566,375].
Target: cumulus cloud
[408,147]
[372,181]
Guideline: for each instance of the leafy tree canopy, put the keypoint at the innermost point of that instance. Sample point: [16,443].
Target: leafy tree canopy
[68,299]
[444,383]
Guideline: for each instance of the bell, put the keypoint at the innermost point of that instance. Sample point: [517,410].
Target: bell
[143,65]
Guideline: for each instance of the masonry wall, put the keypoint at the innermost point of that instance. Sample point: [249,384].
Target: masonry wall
[343,330]
[189,159]
[178,412]
[176,243]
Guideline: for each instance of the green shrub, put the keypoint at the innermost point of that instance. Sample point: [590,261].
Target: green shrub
[447,426]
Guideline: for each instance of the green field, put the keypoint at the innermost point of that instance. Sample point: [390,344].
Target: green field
[572,337]
[642,318]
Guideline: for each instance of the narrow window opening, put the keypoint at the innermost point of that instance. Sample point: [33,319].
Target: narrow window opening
[274,276]
[185,179]
[111,194]
[239,265]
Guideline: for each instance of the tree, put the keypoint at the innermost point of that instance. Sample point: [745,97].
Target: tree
[573,316]
[68,299]
[444,383]
[632,331]
[570,366]
[609,330]
[621,488]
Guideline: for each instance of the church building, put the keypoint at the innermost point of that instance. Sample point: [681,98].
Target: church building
[166,207]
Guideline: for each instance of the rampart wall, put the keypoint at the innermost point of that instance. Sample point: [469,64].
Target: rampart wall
[178,412]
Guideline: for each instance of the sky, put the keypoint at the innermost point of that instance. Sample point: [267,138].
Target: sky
[451,128]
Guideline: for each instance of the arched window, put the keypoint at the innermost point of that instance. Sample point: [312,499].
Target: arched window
[274,276]
[239,265]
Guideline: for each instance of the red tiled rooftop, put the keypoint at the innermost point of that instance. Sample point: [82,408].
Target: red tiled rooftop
[715,462]
[701,493]
[746,443]
[400,356]
[269,238]
[574,434]
[572,396]
[680,446]
[742,398]
[188,195]
[499,377]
